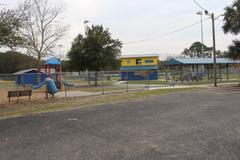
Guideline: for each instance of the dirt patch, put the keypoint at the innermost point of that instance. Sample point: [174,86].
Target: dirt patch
[36,98]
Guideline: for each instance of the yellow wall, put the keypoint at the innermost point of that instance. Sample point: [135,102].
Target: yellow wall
[124,61]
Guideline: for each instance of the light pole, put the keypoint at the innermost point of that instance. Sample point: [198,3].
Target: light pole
[59,50]
[201,14]
[85,26]
[85,31]
[214,46]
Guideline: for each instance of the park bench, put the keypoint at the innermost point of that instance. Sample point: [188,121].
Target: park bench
[20,93]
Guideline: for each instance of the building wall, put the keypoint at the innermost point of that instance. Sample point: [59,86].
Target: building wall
[31,78]
[144,61]
[152,75]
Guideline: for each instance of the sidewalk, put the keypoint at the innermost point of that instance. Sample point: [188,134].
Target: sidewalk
[71,94]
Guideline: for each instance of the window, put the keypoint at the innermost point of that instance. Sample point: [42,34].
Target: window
[138,61]
[149,61]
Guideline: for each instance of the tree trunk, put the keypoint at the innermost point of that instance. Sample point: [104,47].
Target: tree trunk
[39,59]
[96,78]
[39,68]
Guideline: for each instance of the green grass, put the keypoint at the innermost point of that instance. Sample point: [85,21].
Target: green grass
[7,84]
[62,104]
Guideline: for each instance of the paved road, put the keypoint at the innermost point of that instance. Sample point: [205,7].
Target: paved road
[189,126]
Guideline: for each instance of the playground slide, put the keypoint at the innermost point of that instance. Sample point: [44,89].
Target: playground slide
[39,85]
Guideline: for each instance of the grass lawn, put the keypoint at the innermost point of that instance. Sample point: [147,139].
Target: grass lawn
[7,84]
[50,105]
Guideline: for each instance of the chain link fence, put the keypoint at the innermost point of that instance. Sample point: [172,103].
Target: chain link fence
[79,84]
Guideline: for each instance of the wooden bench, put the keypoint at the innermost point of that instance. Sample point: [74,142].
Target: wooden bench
[20,93]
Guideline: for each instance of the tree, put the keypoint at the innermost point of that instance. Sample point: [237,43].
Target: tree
[11,62]
[10,23]
[195,50]
[42,28]
[232,25]
[234,50]
[95,52]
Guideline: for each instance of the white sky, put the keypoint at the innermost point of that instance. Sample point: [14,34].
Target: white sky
[132,20]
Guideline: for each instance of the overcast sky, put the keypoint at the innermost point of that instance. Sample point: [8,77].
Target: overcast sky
[133,20]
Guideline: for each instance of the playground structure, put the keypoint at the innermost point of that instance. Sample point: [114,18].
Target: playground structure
[57,75]
[32,79]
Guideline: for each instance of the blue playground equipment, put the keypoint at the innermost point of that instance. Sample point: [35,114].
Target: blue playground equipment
[39,85]
[51,86]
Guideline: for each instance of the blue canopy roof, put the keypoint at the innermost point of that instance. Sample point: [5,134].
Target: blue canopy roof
[198,61]
[53,61]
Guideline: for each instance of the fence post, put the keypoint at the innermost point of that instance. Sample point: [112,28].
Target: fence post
[102,82]
[17,88]
[127,81]
[148,74]
[238,73]
[166,74]
[65,87]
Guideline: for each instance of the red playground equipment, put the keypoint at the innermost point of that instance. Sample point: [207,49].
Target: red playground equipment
[56,74]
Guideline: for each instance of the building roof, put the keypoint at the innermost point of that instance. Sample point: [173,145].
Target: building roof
[52,70]
[53,61]
[198,61]
[25,71]
[139,55]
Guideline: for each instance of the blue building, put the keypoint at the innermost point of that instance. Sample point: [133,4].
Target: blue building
[30,77]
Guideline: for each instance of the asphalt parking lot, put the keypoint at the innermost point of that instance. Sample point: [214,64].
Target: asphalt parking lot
[186,126]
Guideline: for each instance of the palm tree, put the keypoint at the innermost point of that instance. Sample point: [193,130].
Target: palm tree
[232,18]
[232,25]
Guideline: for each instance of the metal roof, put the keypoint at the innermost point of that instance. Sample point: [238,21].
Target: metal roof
[139,55]
[53,61]
[25,71]
[198,61]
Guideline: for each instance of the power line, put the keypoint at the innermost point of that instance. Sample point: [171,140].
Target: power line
[199,5]
[165,34]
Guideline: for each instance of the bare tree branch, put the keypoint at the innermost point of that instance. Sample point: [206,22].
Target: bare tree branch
[41,28]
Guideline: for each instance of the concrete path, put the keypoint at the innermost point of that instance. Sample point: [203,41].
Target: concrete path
[77,94]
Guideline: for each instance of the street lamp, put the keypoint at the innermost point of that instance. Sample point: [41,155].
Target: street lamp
[214,46]
[59,50]
[201,14]
[85,25]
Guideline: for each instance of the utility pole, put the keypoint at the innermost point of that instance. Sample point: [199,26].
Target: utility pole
[214,46]
[214,50]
